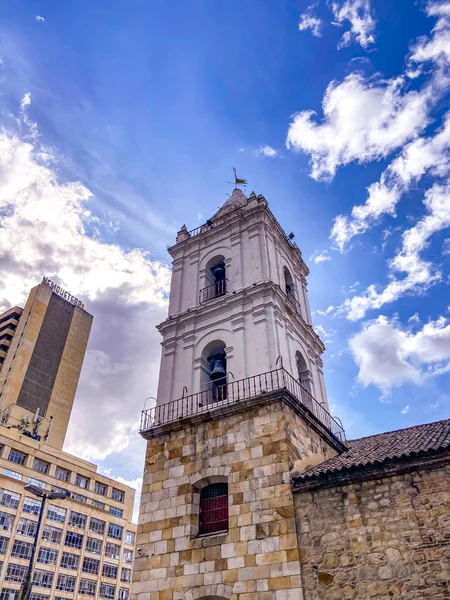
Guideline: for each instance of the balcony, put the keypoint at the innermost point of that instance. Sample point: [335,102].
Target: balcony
[278,380]
[219,288]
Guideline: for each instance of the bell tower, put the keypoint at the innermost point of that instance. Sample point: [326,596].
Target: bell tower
[241,398]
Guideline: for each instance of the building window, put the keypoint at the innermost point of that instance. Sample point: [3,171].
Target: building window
[51,534]
[117,512]
[9,594]
[79,497]
[77,519]
[13,474]
[87,587]
[43,578]
[94,545]
[3,544]
[32,506]
[213,515]
[123,594]
[112,550]
[16,572]
[70,561]
[47,556]
[38,596]
[6,521]
[109,571]
[36,482]
[129,538]
[115,531]
[90,565]
[9,499]
[97,525]
[125,575]
[74,540]
[21,549]
[98,504]
[56,513]
[62,474]
[100,488]
[304,374]
[60,490]
[66,583]
[40,466]
[127,556]
[107,590]
[27,527]
[17,457]
[81,482]
[117,495]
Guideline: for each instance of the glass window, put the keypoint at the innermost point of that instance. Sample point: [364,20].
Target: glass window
[117,512]
[70,561]
[3,544]
[21,549]
[51,534]
[90,565]
[32,506]
[213,515]
[9,594]
[77,519]
[17,457]
[47,556]
[123,594]
[36,482]
[127,556]
[94,545]
[13,474]
[66,583]
[9,499]
[74,540]
[78,497]
[125,575]
[62,474]
[109,571]
[27,527]
[60,490]
[43,578]
[81,482]
[87,587]
[38,596]
[129,538]
[112,550]
[117,495]
[100,488]
[107,590]
[41,466]
[115,531]
[98,504]
[97,525]
[16,572]
[56,513]
[6,521]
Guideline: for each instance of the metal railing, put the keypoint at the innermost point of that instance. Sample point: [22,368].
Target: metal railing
[218,288]
[295,303]
[236,391]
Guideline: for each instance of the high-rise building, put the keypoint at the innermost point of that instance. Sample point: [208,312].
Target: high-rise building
[86,541]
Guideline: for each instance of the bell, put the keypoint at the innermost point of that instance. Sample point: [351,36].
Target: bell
[218,371]
[218,272]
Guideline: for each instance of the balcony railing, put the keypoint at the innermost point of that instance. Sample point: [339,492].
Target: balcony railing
[219,288]
[236,391]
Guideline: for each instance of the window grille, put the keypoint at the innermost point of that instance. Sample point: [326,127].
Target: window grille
[77,519]
[112,550]
[87,587]
[107,590]
[38,596]
[117,495]
[90,565]
[43,578]
[27,527]
[66,583]
[9,594]
[81,482]
[109,571]
[97,525]
[94,545]
[98,504]
[41,466]
[36,482]
[117,512]
[47,556]
[21,549]
[127,556]
[129,538]
[100,488]
[51,534]
[60,490]
[213,508]
[9,499]
[74,540]
[17,457]
[16,572]
[78,497]
[125,575]
[13,474]
[3,544]
[32,506]
[6,521]
[70,561]
[115,531]
[62,474]
[56,513]
[123,594]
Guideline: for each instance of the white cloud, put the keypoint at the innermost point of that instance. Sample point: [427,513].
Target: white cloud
[405,410]
[362,23]
[419,273]
[389,356]
[308,21]
[40,19]
[327,335]
[267,151]
[364,120]
[26,101]
[45,226]
[446,247]
[319,257]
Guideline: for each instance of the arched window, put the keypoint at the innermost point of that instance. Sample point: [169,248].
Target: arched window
[214,373]
[288,283]
[213,515]
[304,374]
[215,279]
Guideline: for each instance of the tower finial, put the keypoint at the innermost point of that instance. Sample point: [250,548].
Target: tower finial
[237,180]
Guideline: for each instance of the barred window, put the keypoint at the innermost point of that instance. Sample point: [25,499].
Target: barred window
[9,594]
[6,521]
[125,575]
[123,594]
[17,457]
[100,488]
[16,572]
[127,556]
[129,538]
[87,587]
[107,590]
[115,531]
[38,596]
[41,466]
[117,512]
[81,481]
[77,519]
[98,504]
[47,556]
[109,571]
[97,525]
[13,474]
[117,495]
[90,565]
[74,540]
[112,550]
[27,527]
[3,544]
[66,583]
[32,506]
[70,561]
[62,474]
[94,545]
[78,497]
[21,549]
[52,534]
[56,513]
[55,488]
[9,499]
[213,508]
[43,578]
[36,482]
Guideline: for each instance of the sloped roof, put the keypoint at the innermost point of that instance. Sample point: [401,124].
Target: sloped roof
[236,200]
[383,447]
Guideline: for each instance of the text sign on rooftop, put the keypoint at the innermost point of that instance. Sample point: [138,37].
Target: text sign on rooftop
[62,292]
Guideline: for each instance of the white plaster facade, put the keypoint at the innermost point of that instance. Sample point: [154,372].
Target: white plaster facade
[255,321]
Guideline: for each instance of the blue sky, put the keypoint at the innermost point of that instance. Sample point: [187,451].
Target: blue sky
[122,120]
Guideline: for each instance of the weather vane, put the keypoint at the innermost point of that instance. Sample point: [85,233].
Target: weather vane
[237,180]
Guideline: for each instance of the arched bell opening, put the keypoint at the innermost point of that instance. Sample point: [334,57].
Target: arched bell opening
[304,374]
[216,277]
[214,373]
[289,286]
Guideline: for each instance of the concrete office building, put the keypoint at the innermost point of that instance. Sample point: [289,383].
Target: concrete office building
[86,541]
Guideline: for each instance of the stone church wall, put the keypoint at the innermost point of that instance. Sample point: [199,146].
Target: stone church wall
[385,538]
